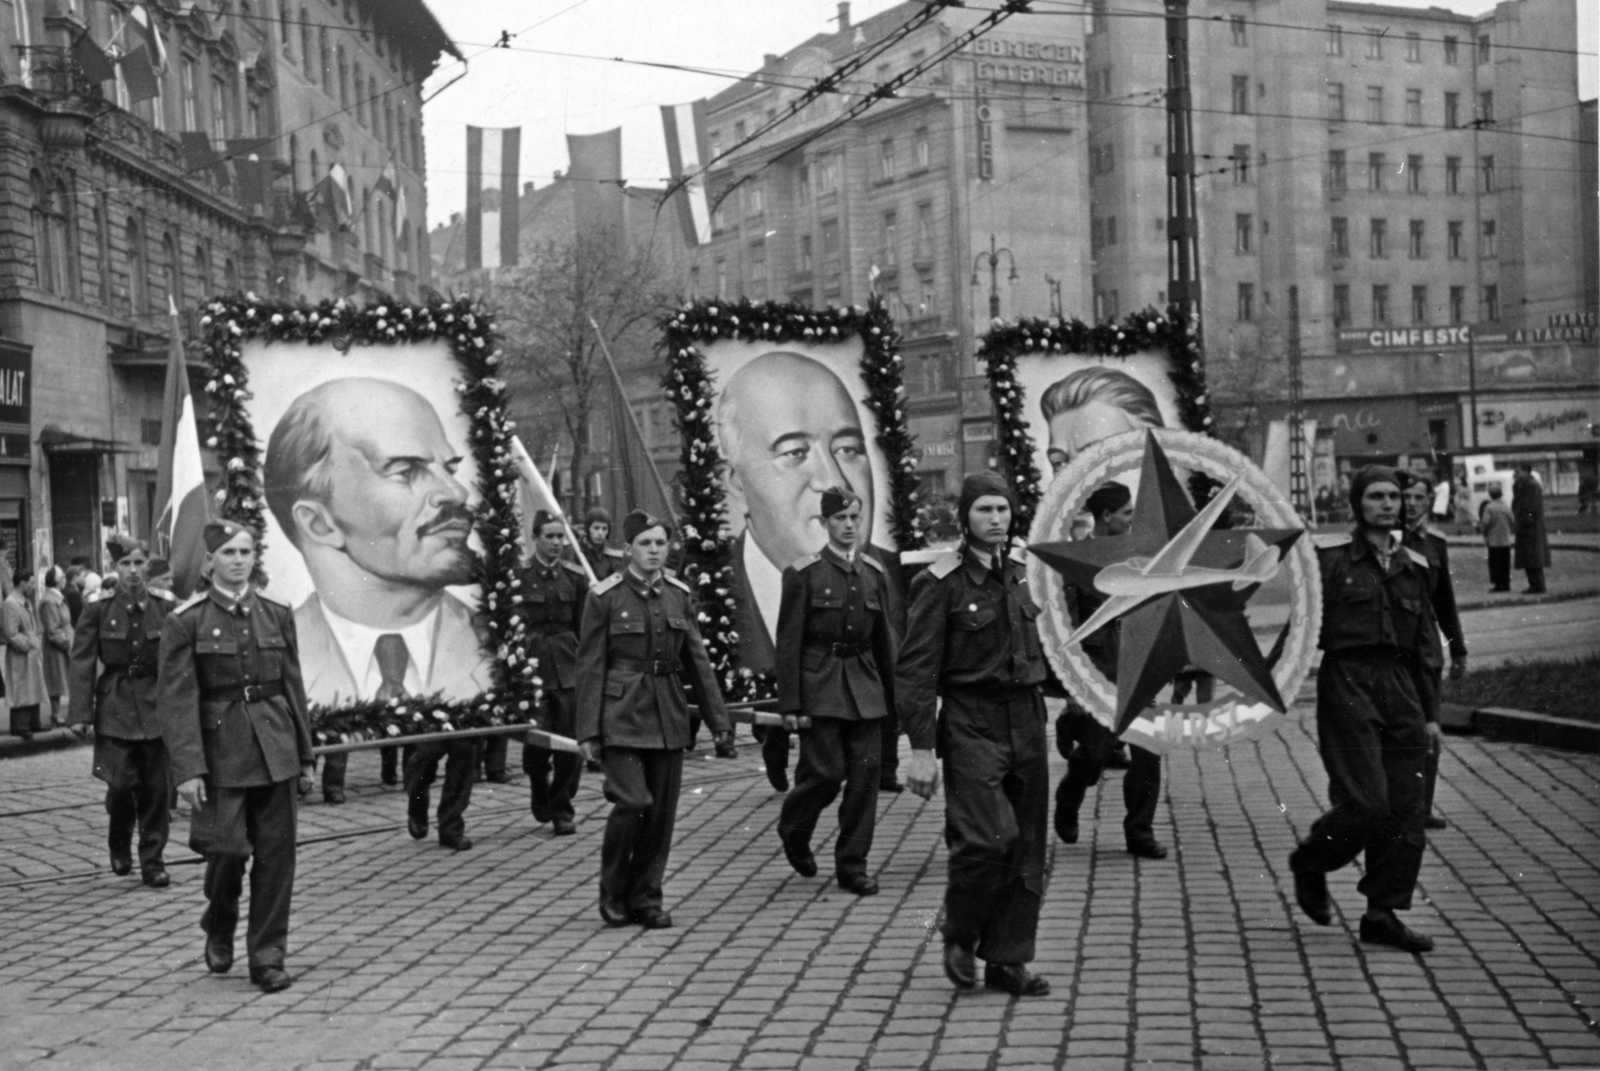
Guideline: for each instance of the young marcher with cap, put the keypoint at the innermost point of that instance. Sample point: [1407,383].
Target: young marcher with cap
[234,708]
[835,665]
[1422,536]
[1111,505]
[638,637]
[553,593]
[603,559]
[116,656]
[971,639]
[1373,728]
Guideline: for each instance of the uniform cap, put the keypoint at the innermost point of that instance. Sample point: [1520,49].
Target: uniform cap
[119,545]
[542,518]
[837,500]
[639,522]
[978,485]
[219,532]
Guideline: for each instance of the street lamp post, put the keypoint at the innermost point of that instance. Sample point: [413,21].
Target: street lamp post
[993,259]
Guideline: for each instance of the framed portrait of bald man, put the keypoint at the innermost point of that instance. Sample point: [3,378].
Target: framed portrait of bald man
[359,453]
[799,401]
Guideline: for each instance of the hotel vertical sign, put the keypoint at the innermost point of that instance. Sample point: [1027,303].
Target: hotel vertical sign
[985,139]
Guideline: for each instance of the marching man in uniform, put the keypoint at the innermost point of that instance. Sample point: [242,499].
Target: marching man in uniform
[1372,725]
[835,664]
[971,638]
[553,592]
[638,636]
[122,632]
[236,729]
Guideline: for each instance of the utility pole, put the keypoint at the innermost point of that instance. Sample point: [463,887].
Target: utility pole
[993,259]
[1183,231]
[1299,490]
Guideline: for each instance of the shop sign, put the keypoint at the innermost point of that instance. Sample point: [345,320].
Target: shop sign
[16,387]
[1539,422]
[1379,339]
[1028,62]
[940,449]
[1562,327]
[978,431]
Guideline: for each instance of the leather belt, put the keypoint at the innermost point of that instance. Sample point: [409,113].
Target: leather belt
[245,693]
[659,668]
[133,673]
[849,650]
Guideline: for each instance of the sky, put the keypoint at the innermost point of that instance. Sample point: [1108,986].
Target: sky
[550,96]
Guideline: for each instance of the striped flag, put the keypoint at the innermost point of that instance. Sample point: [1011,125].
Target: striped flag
[533,495]
[142,28]
[492,160]
[182,505]
[688,152]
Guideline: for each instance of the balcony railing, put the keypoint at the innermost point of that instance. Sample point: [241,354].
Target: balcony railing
[50,71]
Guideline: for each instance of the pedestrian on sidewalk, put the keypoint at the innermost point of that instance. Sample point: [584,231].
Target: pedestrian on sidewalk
[113,668]
[24,664]
[1422,536]
[235,715]
[1373,729]
[638,637]
[1498,527]
[1532,546]
[835,666]
[970,639]
[56,623]
[1111,506]
[553,594]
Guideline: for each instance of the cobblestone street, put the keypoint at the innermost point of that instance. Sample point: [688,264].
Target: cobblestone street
[410,956]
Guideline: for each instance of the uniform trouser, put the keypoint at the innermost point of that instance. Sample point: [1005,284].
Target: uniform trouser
[267,813]
[495,749]
[835,752]
[1430,689]
[1374,742]
[997,803]
[1500,568]
[334,767]
[553,775]
[775,748]
[138,796]
[460,768]
[643,787]
[1141,785]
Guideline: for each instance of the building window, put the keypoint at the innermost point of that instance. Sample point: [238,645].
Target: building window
[1376,165]
[1335,102]
[1337,180]
[1451,56]
[55,238]
[1414,240]
[886,159]
[1452,240]
[1419,304]
[1378,234]
[1341,304]
[1452,174]
[754,199]
[828,174]
[1241,165]
[361,104]
[1452,110]
[1375,42]
[803,184]
[924,248]
[1458,304]
[805,254]
[1486,108]
[325,52]
[830,246]
[1341,236]
[1413,107]
[138,269]
[202,268]
[171,270]
[1483,48]
[1491,303]
[722,278]
[758,267]
[1375,105]
[219,113]
[1335,39]
[739,131]
[1247,302]
[1413,48]
[1243,228]
[191,99]
[1414,173]
[1380,304]
[99,245]
[1236,25]
[1491,244]
[1241,94]
[1486,169]
[890,240]
[308,56]
[1097,16]
[921,155]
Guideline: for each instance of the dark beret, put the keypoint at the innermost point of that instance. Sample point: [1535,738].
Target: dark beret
[543,517]
[837,500]
[639,521]
[219,532]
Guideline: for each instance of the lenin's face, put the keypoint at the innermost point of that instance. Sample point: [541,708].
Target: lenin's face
[792,432]
[1074,430]
[396,508]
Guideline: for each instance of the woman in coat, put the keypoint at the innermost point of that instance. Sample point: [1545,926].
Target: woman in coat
[1532,548]
[56,623]
[25,687]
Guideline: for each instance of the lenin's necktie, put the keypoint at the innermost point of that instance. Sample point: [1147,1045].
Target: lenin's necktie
[392,659]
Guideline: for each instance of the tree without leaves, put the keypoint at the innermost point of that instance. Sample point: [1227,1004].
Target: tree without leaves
[554,364]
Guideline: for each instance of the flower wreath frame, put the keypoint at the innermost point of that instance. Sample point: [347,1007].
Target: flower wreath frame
[688,384]
[227,323]
[1138,332]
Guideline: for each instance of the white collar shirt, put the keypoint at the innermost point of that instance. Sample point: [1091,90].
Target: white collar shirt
[766,583]
[359,645]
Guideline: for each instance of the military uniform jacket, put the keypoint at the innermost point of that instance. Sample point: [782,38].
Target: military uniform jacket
[835,646]
[123,635]
[552,603]
[603,560]
[1370,611]
[636,641]
[965,630]
[1442,594]
[232,699]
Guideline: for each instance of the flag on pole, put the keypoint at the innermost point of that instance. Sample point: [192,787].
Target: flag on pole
[400,212]
[387,183]
[182,506]
[142,26]
[91,59]
[533,495]
[139,75]
[493,156]
[688,152]
[594,163]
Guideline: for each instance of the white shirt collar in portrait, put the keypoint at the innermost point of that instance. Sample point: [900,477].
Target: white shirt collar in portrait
[359,644]
[766,582]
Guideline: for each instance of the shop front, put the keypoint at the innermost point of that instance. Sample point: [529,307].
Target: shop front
[16,457]
[1554,432]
